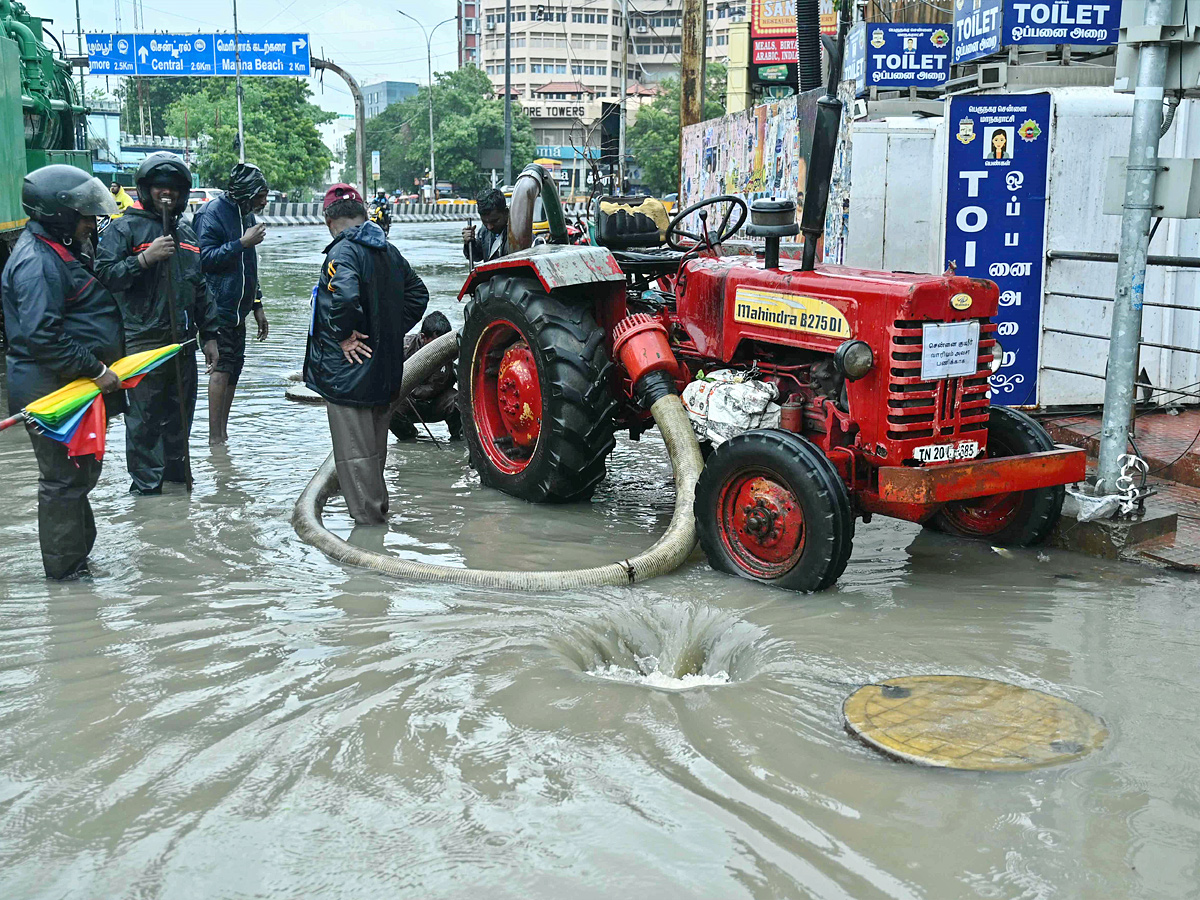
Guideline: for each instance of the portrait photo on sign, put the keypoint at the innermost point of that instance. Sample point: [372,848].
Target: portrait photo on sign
[910,44]
[999,143]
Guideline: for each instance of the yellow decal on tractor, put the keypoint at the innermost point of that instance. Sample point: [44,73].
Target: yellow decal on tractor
[790,311]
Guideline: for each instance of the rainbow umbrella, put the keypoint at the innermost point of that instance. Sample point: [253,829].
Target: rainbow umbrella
[61,414]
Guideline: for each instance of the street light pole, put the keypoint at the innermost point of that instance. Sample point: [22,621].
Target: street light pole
[624,108]
[237,73]
[429,69]
[508,92]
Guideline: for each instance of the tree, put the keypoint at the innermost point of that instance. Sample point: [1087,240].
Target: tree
[149,103]
[653,141]
[467,119]
[280,127]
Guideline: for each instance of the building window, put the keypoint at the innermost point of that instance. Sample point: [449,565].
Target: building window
[535,68]
[520,68]
[601,70]
[491,20]
[722,40]
[708,41]
[576,69]
[577,17]
[602,18]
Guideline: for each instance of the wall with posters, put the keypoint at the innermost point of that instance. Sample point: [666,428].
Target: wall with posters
[761,152]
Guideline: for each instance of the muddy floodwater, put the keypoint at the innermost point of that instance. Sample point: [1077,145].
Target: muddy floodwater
[224,713]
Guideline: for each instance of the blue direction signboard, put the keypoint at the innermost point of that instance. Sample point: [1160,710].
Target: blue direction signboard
[886,56]
[976,28]
[1062,22]
[197,54]
[996,220]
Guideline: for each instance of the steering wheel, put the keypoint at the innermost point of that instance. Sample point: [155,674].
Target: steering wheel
[723,232]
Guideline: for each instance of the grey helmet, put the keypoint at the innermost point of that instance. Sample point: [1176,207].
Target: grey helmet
[164,168]
[56,196]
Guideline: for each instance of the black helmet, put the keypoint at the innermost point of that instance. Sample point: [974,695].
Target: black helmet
[56,196]
[245,183]
[164,168]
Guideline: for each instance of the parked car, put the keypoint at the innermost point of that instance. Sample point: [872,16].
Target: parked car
[199,196]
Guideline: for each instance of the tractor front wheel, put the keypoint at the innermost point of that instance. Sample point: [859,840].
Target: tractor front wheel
[1018,518]
[771,507]
[534,392]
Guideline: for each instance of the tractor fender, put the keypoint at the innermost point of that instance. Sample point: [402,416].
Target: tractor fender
[554,265]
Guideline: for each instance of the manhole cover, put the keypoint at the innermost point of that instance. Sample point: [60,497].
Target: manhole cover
[970,723]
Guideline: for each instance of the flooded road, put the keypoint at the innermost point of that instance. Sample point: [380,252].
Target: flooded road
[223,712]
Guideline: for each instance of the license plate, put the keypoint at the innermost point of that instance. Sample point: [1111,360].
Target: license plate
[949,349]
[931,453]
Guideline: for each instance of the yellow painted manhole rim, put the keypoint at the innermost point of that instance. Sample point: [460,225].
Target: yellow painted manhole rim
[958,722]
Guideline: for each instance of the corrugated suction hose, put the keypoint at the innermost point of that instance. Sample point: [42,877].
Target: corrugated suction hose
[667,554]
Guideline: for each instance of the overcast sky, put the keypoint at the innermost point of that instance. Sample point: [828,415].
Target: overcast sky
[366,37]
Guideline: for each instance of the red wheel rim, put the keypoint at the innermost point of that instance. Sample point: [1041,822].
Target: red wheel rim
[506,397]
[985,516]
[761,523]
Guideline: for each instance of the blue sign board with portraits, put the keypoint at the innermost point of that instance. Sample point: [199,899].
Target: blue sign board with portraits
[854,66]
[996,220]
[976,28]
[197,54]
[904,56]
[1096,22]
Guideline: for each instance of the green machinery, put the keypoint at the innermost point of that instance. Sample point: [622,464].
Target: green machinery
[41,113]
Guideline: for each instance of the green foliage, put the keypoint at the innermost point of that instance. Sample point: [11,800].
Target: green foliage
[155,96]
[654,138]
[467,119]
[280,126]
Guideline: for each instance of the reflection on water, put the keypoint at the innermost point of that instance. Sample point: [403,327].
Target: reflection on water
[223,712]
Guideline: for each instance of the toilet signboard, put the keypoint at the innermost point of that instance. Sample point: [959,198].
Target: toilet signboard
[885,55]
[984,27]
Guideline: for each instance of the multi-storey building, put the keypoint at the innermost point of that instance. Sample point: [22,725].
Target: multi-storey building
[468,33]
[566,60]
[378,97]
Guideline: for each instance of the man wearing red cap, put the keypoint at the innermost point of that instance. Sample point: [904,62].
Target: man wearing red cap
[367,299]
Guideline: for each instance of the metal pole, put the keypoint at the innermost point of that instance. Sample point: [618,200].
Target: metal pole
[691,62]
[237,74]
[429,72]
[508,91]
[624,95]
[79,52]
[1135,239]
[360,120]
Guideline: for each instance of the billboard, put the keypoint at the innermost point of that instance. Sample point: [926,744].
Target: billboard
[996,220]
[197,54]
[887,56]
[773,30]
[984,27]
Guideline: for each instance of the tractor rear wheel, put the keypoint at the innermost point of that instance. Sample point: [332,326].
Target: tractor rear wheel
[534,392]
[771,507]
[1019,518]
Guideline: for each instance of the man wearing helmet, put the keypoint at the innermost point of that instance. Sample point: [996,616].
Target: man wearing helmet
[63,324]
[136,260]
[229,234]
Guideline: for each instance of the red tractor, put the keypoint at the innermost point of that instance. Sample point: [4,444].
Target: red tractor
[883,376]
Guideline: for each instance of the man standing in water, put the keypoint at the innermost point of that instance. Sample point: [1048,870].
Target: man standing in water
[493,210]
[62,324]
[228,235]
[365,302]
[135,261]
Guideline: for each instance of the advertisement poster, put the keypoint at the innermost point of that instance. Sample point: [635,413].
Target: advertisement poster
[773,29]
[996,220]
[888,56]
[976,28]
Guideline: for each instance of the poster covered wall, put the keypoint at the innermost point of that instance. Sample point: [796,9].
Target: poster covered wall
[996,221]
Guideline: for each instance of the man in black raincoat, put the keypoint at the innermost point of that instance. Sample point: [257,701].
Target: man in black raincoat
[229,235]
[135,261]
[63,324]
[366,300]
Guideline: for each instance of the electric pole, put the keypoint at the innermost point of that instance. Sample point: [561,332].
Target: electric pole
[508,91]
[1140,177]
[237,73]
[624,109]
[691,62]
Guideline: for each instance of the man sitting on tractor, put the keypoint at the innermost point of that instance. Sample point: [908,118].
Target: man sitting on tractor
[493,210]
[436,400]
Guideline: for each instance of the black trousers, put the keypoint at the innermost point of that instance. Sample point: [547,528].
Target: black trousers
[66,529]
[155,439]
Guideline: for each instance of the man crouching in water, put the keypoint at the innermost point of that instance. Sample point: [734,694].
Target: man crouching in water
[365,302]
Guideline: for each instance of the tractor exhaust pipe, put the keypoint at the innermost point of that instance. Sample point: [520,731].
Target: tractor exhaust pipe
[808,43]
[824,144]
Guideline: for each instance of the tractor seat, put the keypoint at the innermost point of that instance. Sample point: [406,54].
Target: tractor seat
[628,223]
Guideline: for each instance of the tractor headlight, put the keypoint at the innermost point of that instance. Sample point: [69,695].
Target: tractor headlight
[854,359]
[997,359]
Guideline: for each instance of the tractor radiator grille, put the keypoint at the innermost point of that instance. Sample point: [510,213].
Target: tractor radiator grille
[945,410]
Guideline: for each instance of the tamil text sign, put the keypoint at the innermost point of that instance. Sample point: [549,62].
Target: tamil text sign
[198,54]
[996,220]
[897,56]
[773,29]
[984,27]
